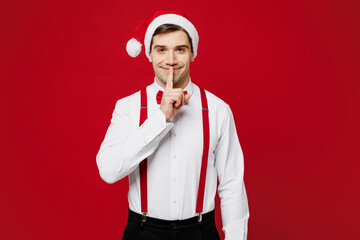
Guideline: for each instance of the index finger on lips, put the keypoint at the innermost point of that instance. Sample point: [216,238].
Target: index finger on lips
[170,79]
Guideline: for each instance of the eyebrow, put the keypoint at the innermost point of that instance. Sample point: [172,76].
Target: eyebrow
[163,46]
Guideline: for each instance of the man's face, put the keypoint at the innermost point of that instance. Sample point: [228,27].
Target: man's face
[171,49]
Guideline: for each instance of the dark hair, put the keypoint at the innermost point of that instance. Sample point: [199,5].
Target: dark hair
[166,28]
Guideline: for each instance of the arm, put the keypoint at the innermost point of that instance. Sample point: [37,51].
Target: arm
[125,145]
[232,193]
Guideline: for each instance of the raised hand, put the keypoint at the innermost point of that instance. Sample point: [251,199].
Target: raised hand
[173,98]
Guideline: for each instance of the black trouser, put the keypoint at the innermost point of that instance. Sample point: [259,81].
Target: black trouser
[158,229]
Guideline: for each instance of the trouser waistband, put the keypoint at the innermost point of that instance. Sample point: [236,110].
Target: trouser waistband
[161,223]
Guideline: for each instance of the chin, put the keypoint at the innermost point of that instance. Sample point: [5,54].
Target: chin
[178,81]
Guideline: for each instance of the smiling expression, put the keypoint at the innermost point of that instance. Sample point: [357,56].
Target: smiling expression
[171,49]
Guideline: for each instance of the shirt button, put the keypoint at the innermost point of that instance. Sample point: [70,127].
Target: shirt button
[174,156]
[145,142]
[174,180]
[174,134]
[174,201]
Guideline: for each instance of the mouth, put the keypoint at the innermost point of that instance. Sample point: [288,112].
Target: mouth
[168,69]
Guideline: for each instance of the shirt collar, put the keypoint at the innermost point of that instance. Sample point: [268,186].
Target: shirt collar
[189,87]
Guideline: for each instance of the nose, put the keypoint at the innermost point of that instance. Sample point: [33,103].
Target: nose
[171,58]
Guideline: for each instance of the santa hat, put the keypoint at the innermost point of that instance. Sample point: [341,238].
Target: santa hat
[145,30]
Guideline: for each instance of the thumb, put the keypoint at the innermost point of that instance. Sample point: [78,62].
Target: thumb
[187,97]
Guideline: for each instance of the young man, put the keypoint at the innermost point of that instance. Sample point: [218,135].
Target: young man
[174,139]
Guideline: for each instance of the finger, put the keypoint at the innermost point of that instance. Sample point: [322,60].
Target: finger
[179,100]
[187,97]
[182,98]
[170,79]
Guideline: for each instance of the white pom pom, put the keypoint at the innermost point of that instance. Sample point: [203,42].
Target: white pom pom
[133,47]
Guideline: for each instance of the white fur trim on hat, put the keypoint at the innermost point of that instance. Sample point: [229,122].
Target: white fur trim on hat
[133,47]
[174,19]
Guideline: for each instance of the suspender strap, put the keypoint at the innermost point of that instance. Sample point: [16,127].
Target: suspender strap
[206,136]
[143,164]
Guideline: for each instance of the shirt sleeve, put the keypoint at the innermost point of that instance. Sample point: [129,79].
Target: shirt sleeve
[231,189]
[125,145]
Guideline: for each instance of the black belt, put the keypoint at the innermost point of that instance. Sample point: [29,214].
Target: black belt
[171,224]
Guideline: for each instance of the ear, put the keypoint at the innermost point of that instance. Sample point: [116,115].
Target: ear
[150,58]
[192,58]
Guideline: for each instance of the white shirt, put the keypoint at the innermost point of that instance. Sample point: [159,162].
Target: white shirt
[174,152]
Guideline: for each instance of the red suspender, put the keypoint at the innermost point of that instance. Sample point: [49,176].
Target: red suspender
[206,137]
[143,164]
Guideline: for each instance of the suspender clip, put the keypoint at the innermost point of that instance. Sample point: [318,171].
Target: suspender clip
[144,216]
[199,216]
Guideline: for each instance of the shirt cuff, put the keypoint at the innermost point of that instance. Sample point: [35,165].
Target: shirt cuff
[236,230]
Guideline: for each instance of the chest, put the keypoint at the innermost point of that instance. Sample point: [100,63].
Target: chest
[185,140]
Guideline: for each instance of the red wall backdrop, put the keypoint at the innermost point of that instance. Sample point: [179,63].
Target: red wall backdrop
[288,69]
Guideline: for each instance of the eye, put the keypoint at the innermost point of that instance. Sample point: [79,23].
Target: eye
[181,49]
[161,49]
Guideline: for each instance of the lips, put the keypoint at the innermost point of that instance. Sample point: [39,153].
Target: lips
[168,69]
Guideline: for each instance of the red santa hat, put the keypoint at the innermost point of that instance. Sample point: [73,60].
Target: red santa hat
[145,30]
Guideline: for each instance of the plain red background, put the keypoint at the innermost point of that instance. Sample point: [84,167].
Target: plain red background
[288,69]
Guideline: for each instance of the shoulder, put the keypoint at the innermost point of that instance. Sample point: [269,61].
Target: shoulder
[220,114]
[134,98]
[128,108]
[130,101]
[216,104]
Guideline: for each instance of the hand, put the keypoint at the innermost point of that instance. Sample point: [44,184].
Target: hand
[173,98]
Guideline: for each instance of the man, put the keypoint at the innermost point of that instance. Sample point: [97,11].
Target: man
[174,139]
